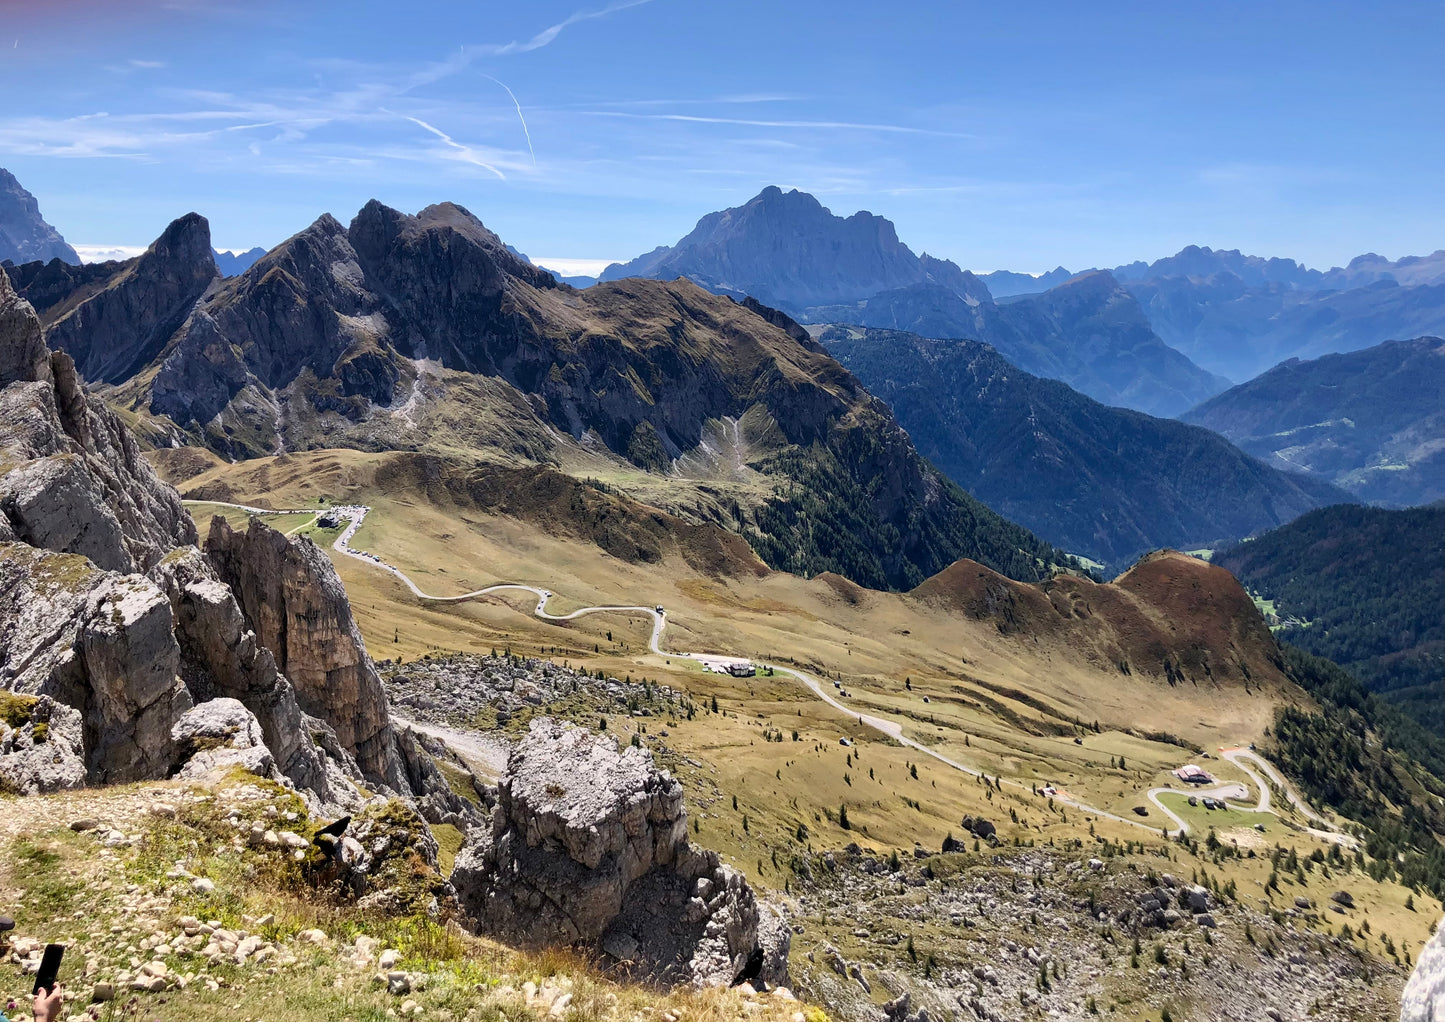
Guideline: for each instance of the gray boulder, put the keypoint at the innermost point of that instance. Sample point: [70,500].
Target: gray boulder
[1424,997]
[218,735]
[42,746]
[589,843]
[131,661]
[100,643]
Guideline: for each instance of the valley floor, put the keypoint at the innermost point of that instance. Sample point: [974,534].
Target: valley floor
[776,777]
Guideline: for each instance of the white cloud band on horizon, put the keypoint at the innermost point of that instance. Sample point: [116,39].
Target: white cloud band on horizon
[107,253]
[570,267]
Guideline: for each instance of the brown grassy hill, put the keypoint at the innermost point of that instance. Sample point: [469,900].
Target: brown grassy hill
[1171,616]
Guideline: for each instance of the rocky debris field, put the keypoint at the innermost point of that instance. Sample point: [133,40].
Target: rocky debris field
[999,935]
[469,690]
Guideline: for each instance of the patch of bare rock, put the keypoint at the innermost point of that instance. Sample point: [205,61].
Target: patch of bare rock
[588,842]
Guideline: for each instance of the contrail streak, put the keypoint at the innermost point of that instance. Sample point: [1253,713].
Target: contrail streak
[527,134]
[466,154]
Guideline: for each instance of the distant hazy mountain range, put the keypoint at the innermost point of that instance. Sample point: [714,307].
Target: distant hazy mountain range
[1372,421]
[787,250]
[1109,483]
[1230,315]
[1238,315]
[233,263]
[24,234]
[1005,283]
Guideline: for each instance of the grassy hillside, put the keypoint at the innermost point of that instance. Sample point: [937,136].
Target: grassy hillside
[137,925]
[1099,690]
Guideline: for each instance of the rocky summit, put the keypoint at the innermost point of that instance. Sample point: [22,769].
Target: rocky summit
[589,844]
[24,234]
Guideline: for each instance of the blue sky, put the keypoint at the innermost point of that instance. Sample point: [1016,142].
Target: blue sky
[1015,136]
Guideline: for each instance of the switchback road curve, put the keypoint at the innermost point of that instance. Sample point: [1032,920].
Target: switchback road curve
[355,515]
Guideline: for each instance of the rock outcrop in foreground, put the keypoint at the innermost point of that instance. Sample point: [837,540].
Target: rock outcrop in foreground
[588,844]
[1424,997]
[114,625]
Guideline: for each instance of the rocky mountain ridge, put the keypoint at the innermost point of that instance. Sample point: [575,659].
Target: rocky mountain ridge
[1372,421]
[407,333]
[789,251]
[1109,483]
[24,234]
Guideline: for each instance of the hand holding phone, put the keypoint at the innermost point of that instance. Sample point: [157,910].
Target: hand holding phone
[47,1006]
[49,969]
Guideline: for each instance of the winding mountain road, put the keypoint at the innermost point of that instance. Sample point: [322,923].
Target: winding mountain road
[355,515]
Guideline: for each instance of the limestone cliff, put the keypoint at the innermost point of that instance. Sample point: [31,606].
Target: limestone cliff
[294,600]
[588,844]
[113,624]
[74,480]
[24,234]
[1424,997]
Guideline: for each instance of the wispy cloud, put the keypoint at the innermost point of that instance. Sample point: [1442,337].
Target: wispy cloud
[901,129]
[549,35]
[106,253]
[466,54]
[527,134]
[464,153]
[739,99]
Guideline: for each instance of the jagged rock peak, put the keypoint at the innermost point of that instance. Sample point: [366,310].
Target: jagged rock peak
[128,321]
[294,601]
[23,355]
[24,234]
[379,232]
[187,240]
[589,843]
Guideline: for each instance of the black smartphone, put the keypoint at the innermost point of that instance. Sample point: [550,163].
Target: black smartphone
[49,969]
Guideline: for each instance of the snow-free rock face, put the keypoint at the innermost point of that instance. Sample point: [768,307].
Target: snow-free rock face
[1424,997]
[42,745]
[294,601]
[122,656]
[118,329]
[588,844]
[220,734]
[24,234]
[221,658]
[72,478]
[100,643]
